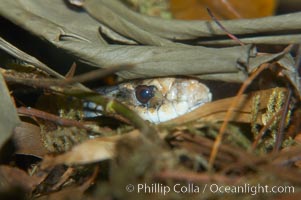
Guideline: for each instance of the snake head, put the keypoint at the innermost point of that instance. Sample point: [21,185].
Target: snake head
[160,99]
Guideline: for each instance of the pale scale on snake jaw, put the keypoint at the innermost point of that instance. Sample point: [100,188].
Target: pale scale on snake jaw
[156,100]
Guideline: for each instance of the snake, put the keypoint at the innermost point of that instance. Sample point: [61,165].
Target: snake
[156,100]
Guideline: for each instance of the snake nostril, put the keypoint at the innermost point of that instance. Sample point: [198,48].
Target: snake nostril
[144,93]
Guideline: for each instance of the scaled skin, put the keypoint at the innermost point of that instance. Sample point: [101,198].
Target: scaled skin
[172,97]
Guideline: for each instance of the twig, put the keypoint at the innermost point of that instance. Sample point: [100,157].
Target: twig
[96,74]
[282,122]
[223,28]
[48,82]
[51,117]
[91,179]
[231,108]
[71,71]
[222,130]
[63,178]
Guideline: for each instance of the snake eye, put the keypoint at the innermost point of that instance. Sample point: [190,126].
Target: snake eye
[144,93]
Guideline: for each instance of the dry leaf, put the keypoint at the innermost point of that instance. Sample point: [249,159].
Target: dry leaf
[12,176]
[8,118]
[28,141]
[90,151]
[87,152]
